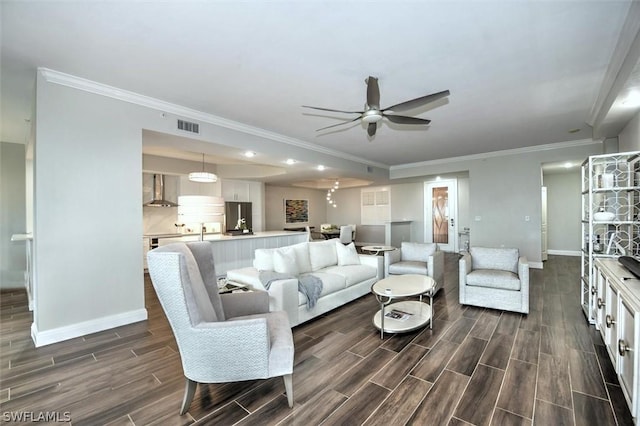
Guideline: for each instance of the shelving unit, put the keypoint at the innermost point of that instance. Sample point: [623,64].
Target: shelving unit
[610,184]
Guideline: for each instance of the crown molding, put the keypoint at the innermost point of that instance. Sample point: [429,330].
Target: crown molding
[484,155]
[63,79]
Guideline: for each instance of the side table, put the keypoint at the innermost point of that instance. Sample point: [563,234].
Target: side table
[405,315]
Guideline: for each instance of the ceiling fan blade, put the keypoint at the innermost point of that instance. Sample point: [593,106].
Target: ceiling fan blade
[401,119]
[373,93]
[339,124]
[332,110]
[417,102]
[371,128]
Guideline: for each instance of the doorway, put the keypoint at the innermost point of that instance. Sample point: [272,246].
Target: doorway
[441,213]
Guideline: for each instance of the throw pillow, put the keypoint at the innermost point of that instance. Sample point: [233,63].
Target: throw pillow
[347,255]
[263,259]
[322,254]
[302,257]
[284,261]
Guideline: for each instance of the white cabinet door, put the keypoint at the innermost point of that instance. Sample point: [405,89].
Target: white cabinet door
[610,320]
[599,300]
[628,357]
[235,190]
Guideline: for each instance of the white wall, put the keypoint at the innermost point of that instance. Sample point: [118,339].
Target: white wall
[503,189]
[274,206]
[564,212]
[629,138]
[88,213]
[12,214]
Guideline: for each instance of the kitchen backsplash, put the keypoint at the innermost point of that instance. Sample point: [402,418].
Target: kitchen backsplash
[162,220]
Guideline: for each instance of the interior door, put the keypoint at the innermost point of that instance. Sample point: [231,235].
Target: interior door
[441,214]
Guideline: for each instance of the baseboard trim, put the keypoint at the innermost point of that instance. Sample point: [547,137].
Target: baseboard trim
[42,338]
[564,252]
[536,265]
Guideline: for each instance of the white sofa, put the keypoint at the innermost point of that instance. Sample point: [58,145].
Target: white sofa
[345,275]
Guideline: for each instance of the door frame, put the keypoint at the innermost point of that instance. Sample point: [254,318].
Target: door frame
[452,185]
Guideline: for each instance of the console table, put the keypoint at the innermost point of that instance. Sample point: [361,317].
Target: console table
[616,307]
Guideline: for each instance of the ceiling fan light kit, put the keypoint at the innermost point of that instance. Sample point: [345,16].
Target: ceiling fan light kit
[372,113]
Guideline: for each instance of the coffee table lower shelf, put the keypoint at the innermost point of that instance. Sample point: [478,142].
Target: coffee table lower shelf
[420,315]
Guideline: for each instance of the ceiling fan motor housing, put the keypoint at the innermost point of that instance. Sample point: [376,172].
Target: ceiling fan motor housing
[372,116]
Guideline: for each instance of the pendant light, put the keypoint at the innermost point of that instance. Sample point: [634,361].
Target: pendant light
[203,177]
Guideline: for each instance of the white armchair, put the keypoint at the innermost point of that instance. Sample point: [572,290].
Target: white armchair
[416,258]
[496,278]
[221,338]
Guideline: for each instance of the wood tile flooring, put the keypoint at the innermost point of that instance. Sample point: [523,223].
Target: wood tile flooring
[477,366]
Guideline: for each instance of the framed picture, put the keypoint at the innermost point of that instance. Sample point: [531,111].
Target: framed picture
[296,211]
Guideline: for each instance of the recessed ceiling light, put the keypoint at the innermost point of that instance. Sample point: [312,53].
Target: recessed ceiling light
[249,154]
[290,161]
[321,167]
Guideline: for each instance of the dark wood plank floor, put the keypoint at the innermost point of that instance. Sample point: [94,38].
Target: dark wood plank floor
[476,366]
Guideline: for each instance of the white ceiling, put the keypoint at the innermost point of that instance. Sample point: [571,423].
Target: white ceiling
[521,73]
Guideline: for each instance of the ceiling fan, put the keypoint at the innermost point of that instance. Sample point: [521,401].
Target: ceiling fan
[372,112]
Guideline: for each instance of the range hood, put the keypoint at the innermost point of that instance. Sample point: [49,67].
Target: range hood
[158,199]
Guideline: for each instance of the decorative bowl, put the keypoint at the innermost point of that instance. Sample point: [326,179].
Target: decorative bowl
[603,216]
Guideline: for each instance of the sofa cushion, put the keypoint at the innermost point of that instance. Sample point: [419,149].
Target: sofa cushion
[331,283]
[285,262]
[353,274]
[347,255]
[263,259]
[417,252]
[322,254]
[504,259]
[303,259]
[408,267]
[493,278]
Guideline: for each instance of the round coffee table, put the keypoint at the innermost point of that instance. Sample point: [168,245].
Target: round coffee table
[406,315]
[375,250]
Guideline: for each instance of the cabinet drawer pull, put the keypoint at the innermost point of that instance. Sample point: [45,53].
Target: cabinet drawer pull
[623,348]
[609,321]
[600,303]
[593,291]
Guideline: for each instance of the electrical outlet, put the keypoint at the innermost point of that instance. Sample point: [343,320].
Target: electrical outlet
[478,218]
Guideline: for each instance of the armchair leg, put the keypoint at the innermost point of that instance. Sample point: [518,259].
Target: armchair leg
[189,391]
[288,387]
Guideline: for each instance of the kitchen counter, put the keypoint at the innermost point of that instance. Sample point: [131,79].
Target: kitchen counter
[217,236]
[233,251]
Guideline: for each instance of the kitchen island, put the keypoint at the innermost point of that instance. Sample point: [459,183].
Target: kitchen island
[230,251]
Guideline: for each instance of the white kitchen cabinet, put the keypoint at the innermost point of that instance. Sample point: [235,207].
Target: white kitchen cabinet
[621,324]
[235,190]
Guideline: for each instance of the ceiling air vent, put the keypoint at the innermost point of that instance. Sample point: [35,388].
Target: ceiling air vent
[188,126]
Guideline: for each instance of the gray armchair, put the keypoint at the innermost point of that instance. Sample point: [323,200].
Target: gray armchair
[495,278]
[221,338]
[416,258]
